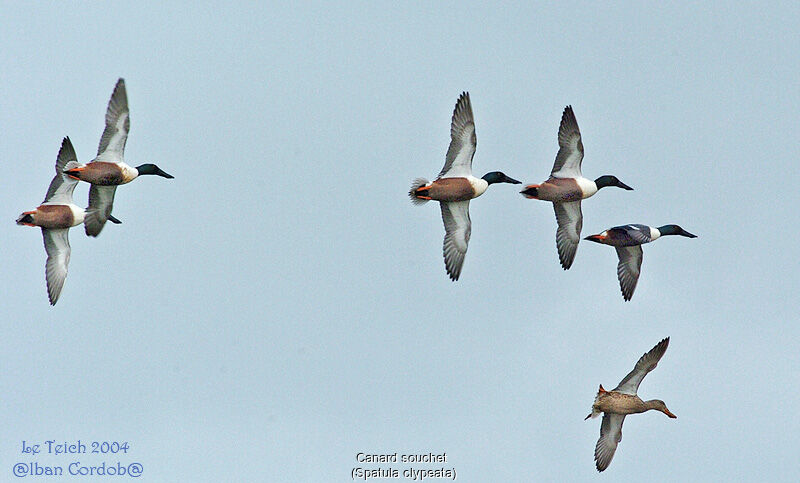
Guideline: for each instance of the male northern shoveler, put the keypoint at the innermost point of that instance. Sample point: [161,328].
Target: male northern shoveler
[566,187]
[108,170]
[621,401]
[455,186]
[56,215]
[628,240]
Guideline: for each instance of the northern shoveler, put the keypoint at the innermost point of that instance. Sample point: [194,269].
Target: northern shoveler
[108,170]
[56,215]
[456,185]
[628,240]
[621,401]
[566,187]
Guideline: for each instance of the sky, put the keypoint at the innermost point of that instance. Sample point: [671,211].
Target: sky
[281,306]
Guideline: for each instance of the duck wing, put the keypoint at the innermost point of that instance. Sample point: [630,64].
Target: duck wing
[62,186]
[56,244]
[568,235]
[101,201]
[570,147]
[458,162]
[118,123]
[610,436]
[645,364]
[628,268]
[457,227]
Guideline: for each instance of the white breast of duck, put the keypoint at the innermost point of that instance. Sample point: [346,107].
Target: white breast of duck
[478,185]
[654,233]
[129,173]
[587,187]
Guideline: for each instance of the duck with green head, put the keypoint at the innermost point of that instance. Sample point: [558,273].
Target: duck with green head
[456,186]
[566,187]
[109,170]
[628,240]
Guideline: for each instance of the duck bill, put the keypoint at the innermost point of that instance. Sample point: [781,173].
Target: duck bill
[164,174]
[508,179]
[596,238]
[669,413]
[624,186]
[686,233]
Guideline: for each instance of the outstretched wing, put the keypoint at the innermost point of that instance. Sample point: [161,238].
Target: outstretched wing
[62,186]
[56,244]
[457,227]
[112,142]
[646,363]
[610,436]
[568,235]
[458,163]
[570,147]
[628,268]
[101,201]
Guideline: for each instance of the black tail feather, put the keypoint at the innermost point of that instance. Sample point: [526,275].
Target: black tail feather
[531,192]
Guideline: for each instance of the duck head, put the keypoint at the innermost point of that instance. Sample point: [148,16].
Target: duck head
[498,177]
[152,169]
[659,405]
[609,180]
[674,230]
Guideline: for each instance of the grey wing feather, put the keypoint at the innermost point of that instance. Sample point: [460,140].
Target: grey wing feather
[458,162]
[112,142]
[645,364]
[628,268]
[568,235]
[458,227]
[101,201]
[610,436]
[570,152]
[62,186]
[56,244]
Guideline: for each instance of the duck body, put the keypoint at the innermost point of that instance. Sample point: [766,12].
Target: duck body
[452,189]
[561,190]
[104,173]
[455,186]
[618,403]
[53,216]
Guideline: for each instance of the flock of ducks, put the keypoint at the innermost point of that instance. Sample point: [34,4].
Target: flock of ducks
[57,213]
[455,186]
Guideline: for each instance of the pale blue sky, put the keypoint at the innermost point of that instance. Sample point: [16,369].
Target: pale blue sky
[281,306]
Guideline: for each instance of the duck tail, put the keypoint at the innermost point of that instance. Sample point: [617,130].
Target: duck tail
[595,412]
[25,219]
[531,191]
[417,195]
[71,165]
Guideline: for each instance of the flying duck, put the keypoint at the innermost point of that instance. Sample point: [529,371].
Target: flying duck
[621,401]
[108,170]
[628,240]
[56,215]
[566,187]
[456,185]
